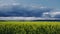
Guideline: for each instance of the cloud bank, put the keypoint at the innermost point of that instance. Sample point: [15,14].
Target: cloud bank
[16,9]
[24,10]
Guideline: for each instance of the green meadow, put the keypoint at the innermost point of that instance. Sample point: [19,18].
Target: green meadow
[30,27]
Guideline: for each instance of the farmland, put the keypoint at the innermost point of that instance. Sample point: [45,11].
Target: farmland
[30,27]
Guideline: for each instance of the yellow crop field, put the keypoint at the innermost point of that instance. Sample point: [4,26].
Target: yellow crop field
[30,27]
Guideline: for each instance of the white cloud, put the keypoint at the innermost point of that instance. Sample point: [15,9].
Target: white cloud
[26,18]
[45,15]
[52,13]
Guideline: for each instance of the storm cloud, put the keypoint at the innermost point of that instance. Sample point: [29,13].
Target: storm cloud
[16,9]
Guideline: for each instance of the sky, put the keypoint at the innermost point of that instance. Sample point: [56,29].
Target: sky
[30,8]
[47,3]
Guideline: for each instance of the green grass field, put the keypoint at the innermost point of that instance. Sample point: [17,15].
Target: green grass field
[29,27]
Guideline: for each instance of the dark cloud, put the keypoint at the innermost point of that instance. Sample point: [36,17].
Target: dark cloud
[19,10]
[22,11]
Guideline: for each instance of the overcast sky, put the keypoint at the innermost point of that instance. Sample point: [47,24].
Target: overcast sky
[36,8]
